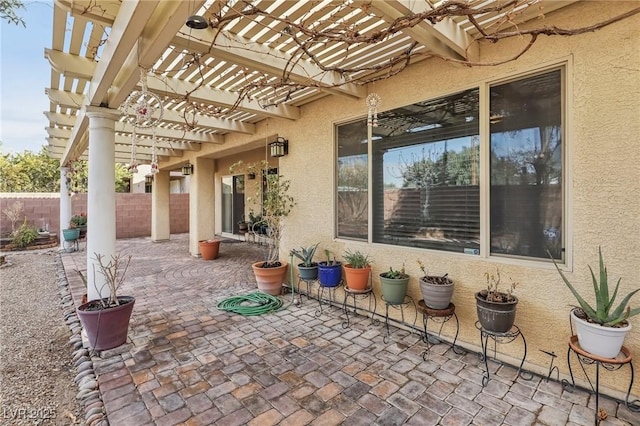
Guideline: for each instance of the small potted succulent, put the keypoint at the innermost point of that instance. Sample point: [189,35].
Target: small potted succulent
[436,290]
[329,271]
[601,329]
[496,309]
[394,285]
[357,270]
[307,269]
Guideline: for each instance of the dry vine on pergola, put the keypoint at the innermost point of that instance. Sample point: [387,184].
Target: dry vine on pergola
[270,90]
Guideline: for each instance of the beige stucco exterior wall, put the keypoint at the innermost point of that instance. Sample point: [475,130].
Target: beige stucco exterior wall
[603,177]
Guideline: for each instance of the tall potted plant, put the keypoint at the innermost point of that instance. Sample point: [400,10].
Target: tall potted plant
[357,270]
[601,329]
[436,290]
[106,320]
[496,309]
[307,269]
[272,191]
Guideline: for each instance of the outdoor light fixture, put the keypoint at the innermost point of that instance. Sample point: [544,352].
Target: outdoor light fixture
[148,179]
[279,148]
[187,169]
[197,22]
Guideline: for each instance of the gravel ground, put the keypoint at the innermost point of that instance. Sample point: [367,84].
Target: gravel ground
[36,369]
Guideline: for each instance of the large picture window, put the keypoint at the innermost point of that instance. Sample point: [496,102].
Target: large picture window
[526,166]
[425,172]
[426,175]
[353,184]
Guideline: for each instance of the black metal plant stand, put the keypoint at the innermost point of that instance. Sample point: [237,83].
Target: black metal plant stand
[502,338]
[610,364]
[308,283]
[332,296]
[359,294]
[441,316]
[408,301]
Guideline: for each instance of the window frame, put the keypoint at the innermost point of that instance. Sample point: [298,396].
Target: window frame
[484,86]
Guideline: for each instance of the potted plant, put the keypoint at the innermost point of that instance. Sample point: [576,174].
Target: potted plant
[436,290]
[329,271]
[71,234]
[209,249]
[79,222]
[357,270]
[243,226]
[106,320]
[394,285]
[601,329]
[308,269]
[496,309]
[273,193]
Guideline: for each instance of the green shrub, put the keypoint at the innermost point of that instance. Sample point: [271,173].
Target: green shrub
[25,235]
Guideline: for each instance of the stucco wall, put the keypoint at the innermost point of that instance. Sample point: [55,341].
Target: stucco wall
[603,176]
[133,212]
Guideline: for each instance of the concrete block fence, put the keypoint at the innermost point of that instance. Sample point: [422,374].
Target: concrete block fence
[133,212]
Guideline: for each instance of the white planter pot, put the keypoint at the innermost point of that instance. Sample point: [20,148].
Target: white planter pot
[598,340]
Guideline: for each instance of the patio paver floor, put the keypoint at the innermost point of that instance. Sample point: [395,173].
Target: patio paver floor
[189,363]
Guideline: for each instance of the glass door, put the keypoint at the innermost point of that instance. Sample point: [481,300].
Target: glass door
[232,203]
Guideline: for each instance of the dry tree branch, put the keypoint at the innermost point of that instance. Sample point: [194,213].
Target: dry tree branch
[309,37]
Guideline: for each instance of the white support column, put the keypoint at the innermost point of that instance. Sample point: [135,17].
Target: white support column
[101,200]
[201,219]
[160,207]
[65,205]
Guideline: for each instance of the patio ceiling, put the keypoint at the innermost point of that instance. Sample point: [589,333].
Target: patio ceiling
[232,77]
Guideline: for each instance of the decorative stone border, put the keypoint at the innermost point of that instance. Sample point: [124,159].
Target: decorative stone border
[88,392]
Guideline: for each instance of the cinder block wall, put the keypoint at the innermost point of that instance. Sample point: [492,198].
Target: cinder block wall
[133,212]
[40,210]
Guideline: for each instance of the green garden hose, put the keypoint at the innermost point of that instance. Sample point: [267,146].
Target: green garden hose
[256,303]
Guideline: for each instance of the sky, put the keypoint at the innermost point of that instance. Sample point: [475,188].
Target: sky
[24,74]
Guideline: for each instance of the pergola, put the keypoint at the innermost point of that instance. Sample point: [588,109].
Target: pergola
[246,65]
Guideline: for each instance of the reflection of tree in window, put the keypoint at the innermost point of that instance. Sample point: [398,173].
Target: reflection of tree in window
[526,166]
[353,183]
[427,156]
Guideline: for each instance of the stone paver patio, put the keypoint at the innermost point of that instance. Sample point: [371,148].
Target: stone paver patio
[189,363]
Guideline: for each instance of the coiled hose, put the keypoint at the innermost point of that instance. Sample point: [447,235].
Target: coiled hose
[256,303]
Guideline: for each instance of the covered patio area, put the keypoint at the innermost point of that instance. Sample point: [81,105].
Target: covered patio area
[188,363]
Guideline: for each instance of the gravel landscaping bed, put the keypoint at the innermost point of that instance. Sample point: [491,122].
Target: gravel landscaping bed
[36,368]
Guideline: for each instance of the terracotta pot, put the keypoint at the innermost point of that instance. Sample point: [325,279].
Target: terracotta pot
[357,278]
[107,328]
[209,249]
[270,279]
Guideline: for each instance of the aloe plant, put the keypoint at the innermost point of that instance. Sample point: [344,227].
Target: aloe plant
[602,313]
[357,259]
[305,254]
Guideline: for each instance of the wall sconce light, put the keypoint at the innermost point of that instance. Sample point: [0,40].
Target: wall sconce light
[148,179]
[279,148]
[187,169]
